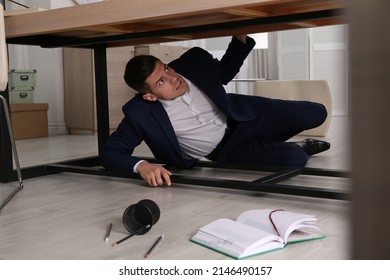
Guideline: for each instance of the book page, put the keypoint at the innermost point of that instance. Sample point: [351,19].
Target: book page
[286,222]
[235,238]
[303,235]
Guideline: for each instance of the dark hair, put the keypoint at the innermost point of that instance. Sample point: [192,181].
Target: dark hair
[138,69]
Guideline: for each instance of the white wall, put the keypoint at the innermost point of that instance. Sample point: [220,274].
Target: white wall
[319,53]
[48,63]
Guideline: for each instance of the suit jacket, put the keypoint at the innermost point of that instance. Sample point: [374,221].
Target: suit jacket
[148,121]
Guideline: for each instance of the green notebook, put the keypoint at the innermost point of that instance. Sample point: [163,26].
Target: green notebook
[256,232]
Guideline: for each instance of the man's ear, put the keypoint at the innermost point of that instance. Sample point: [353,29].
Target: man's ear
[149,97]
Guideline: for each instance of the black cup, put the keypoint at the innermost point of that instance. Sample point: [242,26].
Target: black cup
[137,216]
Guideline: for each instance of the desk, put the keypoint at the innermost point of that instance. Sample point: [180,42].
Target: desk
[134,22]
[122,22]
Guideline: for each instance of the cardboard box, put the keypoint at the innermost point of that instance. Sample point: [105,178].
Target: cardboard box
[29,120]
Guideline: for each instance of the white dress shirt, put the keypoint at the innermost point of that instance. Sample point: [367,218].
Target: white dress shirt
[199,124]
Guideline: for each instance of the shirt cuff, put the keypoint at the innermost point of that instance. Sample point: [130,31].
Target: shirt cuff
[136,165]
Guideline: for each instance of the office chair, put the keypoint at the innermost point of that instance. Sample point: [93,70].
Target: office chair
[3,86]
[309,90]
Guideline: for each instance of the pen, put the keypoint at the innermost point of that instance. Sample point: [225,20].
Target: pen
[108,232]
[154,246]
[132,234]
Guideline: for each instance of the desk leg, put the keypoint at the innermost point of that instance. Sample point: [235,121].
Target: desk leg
[6,167]
[101,84]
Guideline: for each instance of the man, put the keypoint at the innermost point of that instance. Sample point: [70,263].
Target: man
[183,114]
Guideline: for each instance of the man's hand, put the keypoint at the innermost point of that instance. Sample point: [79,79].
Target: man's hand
[241,37]
[154,175]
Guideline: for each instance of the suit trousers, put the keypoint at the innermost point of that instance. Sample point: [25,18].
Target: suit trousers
[262,141]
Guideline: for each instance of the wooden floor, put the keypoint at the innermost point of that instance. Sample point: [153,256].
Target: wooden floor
[65,216]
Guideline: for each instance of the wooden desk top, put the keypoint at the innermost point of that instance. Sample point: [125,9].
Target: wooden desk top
[152,21]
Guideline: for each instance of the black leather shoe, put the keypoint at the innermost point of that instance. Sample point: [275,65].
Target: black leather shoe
[313,146]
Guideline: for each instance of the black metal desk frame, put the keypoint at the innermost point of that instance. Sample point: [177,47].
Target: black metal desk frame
[267,184]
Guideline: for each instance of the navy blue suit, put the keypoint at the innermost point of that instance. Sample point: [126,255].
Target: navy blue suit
[262,125]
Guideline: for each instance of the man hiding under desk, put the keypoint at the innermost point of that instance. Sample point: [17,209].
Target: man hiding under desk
[184,114]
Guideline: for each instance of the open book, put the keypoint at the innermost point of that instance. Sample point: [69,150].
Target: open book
[257,231]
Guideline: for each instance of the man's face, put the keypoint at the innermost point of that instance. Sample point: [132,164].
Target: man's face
[165,83]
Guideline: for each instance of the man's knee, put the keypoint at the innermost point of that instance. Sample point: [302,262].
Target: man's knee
[316,115]
[323,112]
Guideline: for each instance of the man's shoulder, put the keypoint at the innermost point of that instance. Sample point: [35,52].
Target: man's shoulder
[135,103]
[194,56]
[138,105]
[197,51]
